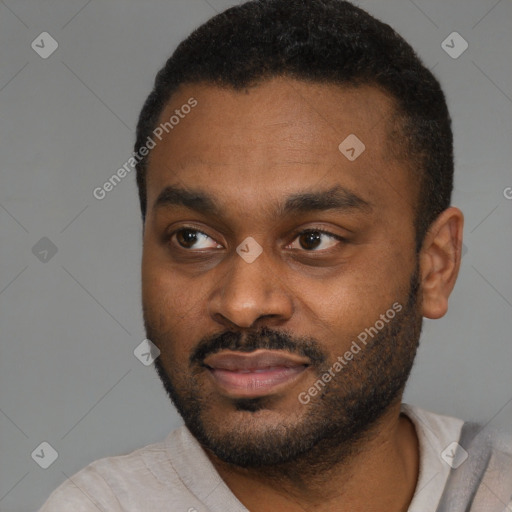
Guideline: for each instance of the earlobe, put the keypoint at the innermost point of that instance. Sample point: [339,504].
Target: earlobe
[440,259]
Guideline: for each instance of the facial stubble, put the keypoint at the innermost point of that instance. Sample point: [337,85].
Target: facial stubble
[326,431]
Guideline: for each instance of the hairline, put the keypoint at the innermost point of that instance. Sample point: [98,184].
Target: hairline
[395,120]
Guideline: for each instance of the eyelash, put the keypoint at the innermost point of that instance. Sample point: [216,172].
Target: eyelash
[295,236]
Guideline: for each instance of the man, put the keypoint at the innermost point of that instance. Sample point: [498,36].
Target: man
[295,168]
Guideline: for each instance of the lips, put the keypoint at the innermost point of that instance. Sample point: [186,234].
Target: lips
[253,374]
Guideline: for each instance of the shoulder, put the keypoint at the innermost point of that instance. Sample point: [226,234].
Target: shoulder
[107,483]
[475,462]
[477,437]
[483,476]
[436,432]
[85,491]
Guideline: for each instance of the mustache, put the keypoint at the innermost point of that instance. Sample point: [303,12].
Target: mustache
[265,338]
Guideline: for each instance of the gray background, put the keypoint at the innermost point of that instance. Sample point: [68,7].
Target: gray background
[68,375]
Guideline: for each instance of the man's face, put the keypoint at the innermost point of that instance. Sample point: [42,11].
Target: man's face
[245,338]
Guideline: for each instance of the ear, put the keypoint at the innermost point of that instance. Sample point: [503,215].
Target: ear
[440,258]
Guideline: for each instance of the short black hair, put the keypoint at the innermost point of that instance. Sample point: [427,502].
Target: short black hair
[325,41]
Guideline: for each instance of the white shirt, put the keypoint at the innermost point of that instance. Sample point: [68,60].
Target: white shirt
[176,475]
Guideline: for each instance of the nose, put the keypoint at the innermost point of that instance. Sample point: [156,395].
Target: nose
[250,294]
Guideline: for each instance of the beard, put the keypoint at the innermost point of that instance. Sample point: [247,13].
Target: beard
[326,431]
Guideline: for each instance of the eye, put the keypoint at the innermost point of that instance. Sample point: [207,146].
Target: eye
[190,238]
[311,239]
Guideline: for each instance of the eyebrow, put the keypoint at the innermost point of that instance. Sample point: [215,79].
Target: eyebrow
[335,198]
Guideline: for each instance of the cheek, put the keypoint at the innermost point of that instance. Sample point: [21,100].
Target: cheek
[383,274]
[353,299]
[343,315]
[162,291]
[171,311]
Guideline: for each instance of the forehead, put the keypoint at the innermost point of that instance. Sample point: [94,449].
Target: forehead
[282,135]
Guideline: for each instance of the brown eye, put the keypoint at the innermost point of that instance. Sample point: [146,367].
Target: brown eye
[191,238]
[187,237]
[312,239]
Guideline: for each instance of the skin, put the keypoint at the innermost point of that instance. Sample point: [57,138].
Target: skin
[250,150]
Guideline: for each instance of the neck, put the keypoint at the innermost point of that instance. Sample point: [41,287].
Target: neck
[378,472]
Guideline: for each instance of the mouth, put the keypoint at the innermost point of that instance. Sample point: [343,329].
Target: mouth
[254,374]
